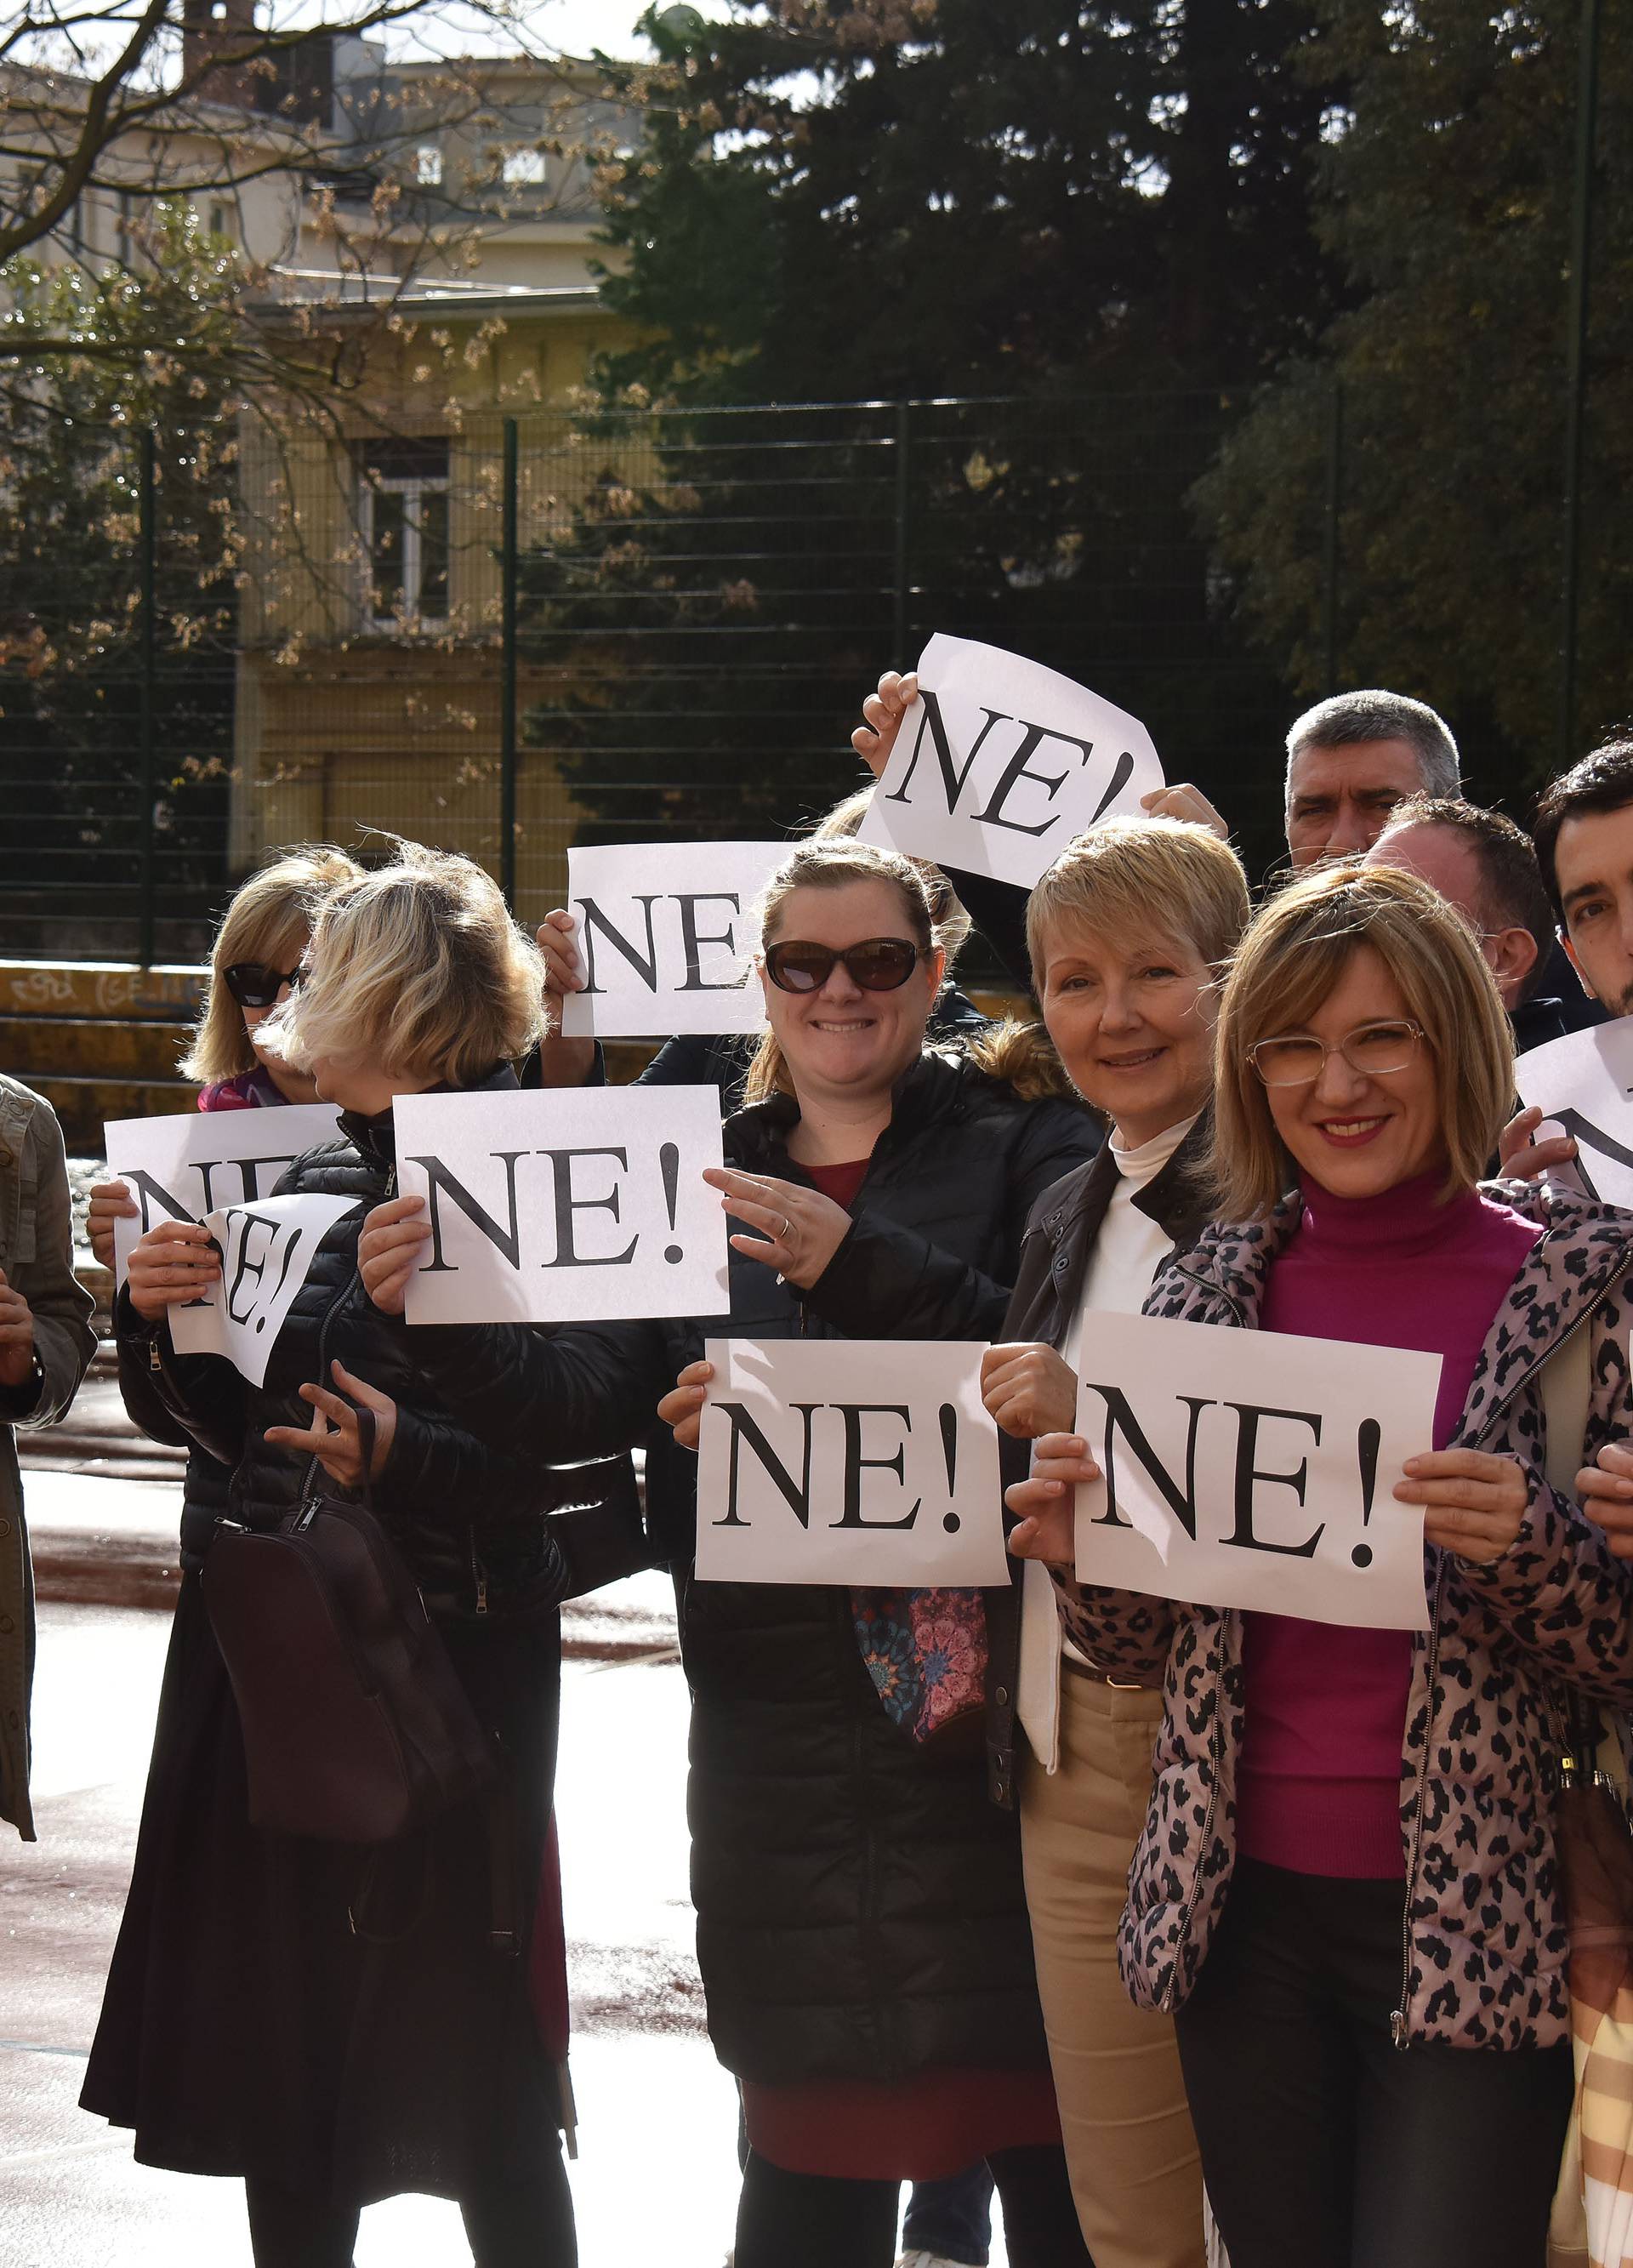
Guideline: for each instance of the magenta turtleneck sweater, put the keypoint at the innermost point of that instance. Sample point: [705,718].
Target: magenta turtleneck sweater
[1319,1779]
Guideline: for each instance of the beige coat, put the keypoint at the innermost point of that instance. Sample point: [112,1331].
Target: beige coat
[37,1253]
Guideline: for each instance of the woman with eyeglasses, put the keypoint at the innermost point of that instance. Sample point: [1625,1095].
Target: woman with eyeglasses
[1347,1890]
[861,1927]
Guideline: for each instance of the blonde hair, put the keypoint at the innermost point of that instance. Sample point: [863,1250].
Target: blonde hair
[269,921]
[830,863]
[1294,955]
[952,924]
[1131,877]
[416,967]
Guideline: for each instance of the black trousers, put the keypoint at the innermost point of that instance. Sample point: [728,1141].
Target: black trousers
[817,2220]
[521,2224]
[1324,2144]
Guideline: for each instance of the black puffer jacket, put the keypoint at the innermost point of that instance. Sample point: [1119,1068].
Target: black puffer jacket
[470,1520]
[250,2027]
[859,1902]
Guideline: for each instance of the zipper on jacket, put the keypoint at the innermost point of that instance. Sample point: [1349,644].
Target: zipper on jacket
[479,1576]
[1214,1291]
[1581,1323]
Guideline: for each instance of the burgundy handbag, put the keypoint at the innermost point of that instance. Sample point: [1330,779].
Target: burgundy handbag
[355,1727]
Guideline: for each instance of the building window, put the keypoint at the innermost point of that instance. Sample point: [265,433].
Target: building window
[404,496]
[428,166]
[523,169]
[221,222]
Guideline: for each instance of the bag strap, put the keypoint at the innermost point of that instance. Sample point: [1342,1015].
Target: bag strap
[1566,1384]
[365,1444]
[504,1930]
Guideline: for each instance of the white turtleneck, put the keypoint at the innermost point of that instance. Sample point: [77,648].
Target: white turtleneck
[1130,1246]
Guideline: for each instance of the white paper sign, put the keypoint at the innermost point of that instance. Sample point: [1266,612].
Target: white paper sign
[564,1205]
[1585,1082]
[848,1460]
[999,763]
[667,933]
[1242,1469]
[267,1252]
[183,1167]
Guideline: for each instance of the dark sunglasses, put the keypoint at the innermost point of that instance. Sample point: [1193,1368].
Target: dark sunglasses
[253,985]
[878,964]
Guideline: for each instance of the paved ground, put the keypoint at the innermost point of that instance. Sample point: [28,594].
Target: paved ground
[655,2177]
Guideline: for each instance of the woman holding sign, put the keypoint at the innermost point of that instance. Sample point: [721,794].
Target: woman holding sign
[1128,931]
[1347,1888]
[862,1928]
[254,960]
[340,2024]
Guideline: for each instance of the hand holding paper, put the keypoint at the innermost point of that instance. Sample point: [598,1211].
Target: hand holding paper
[1044,1502]
[681,1409]
[846,1461]
[998,762]
[1247,1470]
[664,937]
[567,1206]
[884,711]
[1606,1490]
[388,1251]
[1584,1084]
[174,1262]
[1475,1504]
[183,1167]
[266,1254]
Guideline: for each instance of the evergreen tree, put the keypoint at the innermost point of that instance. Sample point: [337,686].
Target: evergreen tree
[71,581]
[1446,192]
[844,198]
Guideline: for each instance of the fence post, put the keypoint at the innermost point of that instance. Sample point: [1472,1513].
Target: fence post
[507,673]
[149,788]
[898,610]
[1330,536]
[1576,376]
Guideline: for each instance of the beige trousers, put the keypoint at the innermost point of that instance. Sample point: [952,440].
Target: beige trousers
[1132,2155]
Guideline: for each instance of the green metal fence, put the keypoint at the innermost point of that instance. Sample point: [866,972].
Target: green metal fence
[520,633]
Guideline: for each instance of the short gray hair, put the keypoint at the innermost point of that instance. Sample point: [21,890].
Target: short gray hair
[1347,719]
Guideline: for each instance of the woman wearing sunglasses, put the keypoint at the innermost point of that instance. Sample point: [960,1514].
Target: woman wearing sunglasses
[1347,1891]
[336,2025]
[861,1927]
[254,962]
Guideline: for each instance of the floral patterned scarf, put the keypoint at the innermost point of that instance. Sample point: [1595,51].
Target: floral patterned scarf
[926,1653]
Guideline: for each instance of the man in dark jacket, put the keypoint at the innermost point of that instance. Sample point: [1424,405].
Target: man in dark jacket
[1486,868]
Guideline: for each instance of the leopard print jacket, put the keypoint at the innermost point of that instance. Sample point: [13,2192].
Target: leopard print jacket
[1483,1939]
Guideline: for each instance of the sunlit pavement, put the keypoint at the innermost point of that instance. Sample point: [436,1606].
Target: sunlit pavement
[655,2177]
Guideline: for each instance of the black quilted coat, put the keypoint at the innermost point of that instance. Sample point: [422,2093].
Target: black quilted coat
[859,1902]
[246,2028]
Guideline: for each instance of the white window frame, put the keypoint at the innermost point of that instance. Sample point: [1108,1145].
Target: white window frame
[524,169]
[428,166]
[413,488]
